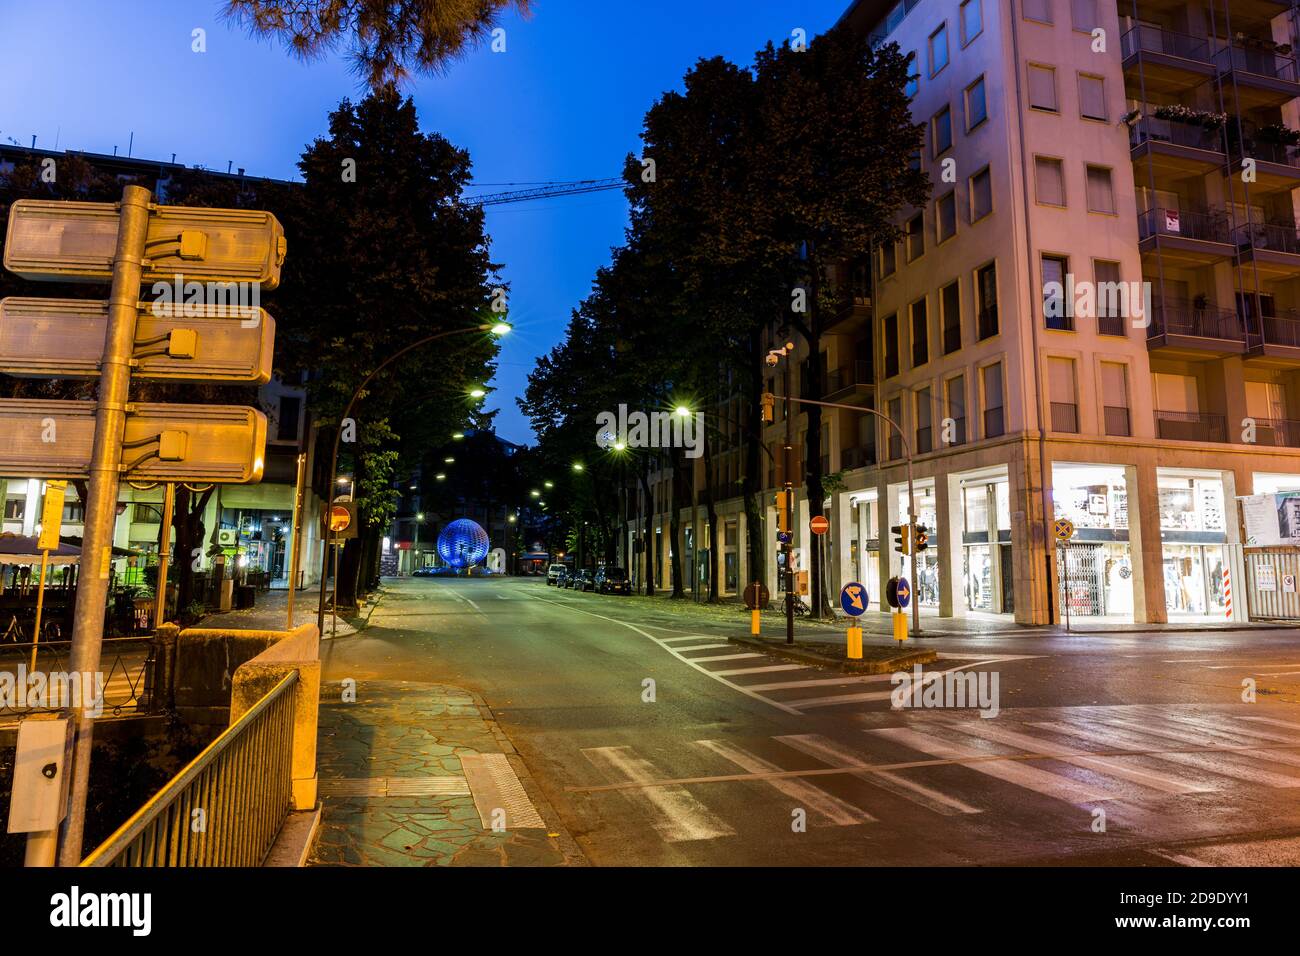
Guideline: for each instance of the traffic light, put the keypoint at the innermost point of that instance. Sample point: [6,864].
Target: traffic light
[902,538]
[782,512]
[921,538]
[769,407]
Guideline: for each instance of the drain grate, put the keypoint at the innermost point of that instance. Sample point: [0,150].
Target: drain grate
[498,794]
[441,786]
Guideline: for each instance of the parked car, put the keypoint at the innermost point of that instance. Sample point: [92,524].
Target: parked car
[562,577]
[613,581]
[554,573]
[432,573]
[585,580]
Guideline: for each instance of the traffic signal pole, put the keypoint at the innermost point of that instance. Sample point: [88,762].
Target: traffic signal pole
[101,495]
[788,546]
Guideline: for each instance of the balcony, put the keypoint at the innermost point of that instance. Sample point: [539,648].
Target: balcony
[1194,328]
[1170,62]
[1274,340]
[1190,426]
[1116,421]
[1065,417]
[1277,165]
[1259,76]
[1176,149]
[1186,237]
[1277,432]
[849,382]
[1274,248]
[857,457]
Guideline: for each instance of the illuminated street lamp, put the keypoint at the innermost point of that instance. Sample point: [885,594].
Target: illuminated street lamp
[549,484]
[477,393]
[441,476]
[449,460]
[683,412]
[535,493]
[578,466]
[457,436]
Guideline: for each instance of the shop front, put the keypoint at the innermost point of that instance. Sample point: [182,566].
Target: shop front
[1095,570]
[986,545]
[925,589]
[864,544]
[1193,538]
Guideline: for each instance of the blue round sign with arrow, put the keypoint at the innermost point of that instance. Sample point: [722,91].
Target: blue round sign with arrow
[904,592]
[853,599]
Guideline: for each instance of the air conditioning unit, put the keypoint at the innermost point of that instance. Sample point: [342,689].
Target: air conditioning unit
[227,537]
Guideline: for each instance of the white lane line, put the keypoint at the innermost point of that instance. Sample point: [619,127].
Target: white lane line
[807,702]
[674,811]
[461,597]
[719,657]
[685,660]
[1179,858]
[823,682]
[987,658]
[1012,771]
[1199,735]
[839,812]
[759,670]
[1107,765]
[701,647]
[834,754]
[1112,736]
[1273,720]
[689,637]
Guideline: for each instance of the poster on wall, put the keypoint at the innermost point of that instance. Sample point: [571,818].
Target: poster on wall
[1271,520]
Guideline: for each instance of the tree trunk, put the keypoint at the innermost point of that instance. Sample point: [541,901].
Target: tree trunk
[813,446]
[675,522]
[348,573]
[188,529]
[647,536]
[755,543]
[711,522]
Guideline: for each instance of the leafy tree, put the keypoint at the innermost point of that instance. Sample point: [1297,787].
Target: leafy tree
[386,39]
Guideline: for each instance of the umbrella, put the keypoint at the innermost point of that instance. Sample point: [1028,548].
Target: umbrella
[22,549]
[75,541]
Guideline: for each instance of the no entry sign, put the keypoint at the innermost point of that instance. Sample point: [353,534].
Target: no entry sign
[819,525]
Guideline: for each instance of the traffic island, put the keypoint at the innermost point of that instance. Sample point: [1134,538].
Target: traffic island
[876,659]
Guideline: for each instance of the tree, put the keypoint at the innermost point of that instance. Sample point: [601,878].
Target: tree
[387,39]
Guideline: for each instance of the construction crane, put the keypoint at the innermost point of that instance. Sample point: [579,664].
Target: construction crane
[545,191]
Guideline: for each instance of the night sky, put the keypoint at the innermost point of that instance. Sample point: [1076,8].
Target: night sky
[565,101]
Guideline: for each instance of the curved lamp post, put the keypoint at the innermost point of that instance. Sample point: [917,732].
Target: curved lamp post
[496,328]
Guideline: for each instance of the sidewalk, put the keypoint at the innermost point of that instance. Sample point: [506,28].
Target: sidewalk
[271,613]
[402,783]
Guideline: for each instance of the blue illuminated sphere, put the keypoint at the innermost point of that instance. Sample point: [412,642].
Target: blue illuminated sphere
[463,543]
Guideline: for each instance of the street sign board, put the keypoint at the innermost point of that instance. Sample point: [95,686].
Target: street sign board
[819,524]
[198,443]
[1064,529]
[52,515]
[853,599]
[756,596]
[64,338]
[904,592]
[76,242]
[891,592]
[342,519]
[784,537]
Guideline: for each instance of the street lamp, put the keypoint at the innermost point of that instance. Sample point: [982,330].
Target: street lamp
[476,393]
[683,412]
[450,460]
[457,436]
[415,548]
[496,328]
[548,484]
[578,466]
[535,493]
[440,476]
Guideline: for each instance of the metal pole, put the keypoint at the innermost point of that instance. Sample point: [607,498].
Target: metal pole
[40,606]
[295,538]
[164,554]
[788,546]
[911,517]
[101,497]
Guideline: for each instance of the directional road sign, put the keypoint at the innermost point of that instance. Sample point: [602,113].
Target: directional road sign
[904,592]
[64,338]
[853,599]
[198,443]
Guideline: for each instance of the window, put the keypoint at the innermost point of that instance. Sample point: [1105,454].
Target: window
[941,131]
[1085,15]
[920,334]
[891,345]
[986,290]
[887,259]
[1092,97]
[957,410]
[913,74]
[950,302]
[142,513]
[1049,181]
[895,439]
[15,508]
[945,216]
[1042,88]
[924,421]
[972,21]
[1040,10]
[1114,396]
[1056,308]
[1110,301]
[1064,409]
[938,49]
[286,427]
[915,237]
[981,195]
[976,108]
[1101,196]
[994,425]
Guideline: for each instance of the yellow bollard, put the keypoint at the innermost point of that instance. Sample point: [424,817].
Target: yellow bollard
[855,642]
[900,627]
[754,623]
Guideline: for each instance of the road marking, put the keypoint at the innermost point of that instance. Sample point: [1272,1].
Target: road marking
[701,647]
[498,793]
[821,682]
[808,702]
[689,637]
[1179,858]
[674,811]
[830,752]
[1184,732]
[759,670]
[1031,778]
[719,657]
[837,811]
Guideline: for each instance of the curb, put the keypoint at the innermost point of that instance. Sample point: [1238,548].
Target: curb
[885,665]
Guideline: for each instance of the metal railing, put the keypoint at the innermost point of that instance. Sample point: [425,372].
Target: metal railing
[1210,225]
[1065,417]
[857,457]
[858,373]
[1155,130]
[923,440]
[1117,421]
[129,682]
[987,322]
[1273,236]
[1257,61]
[1151,39]
[1171,315]
[1191,426]
[1278,432]
[242,784]
[994,424]
[1278,330]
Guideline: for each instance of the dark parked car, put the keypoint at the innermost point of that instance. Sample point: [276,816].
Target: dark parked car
[584,580]
[613,581]
[561,577]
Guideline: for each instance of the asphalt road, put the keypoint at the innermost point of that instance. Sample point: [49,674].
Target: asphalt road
[658,743]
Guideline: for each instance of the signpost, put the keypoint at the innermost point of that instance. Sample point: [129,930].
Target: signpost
[819,524]
[1064,531]
[212,265]
[853,599]
[756,598]
[51,526]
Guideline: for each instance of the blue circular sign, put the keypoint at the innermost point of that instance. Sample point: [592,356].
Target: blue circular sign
[853,598]
[904,592]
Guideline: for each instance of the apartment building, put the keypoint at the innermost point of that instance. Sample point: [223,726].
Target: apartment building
[1094,317]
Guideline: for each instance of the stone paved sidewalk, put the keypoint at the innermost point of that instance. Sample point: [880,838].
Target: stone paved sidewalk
[394,738]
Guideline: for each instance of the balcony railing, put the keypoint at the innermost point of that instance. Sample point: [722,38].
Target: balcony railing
[1065,417]
[1155,130]
[1266,152]
[857,457]
[1278,432]
[1117,421]
[1171,315]
[1259,61]
[951,339]
[1150,39]
[993,422]
[1111,325]
[958,432]
[1210,225]
[1281,329]
[1191,426]
[853,375]
[1273,236]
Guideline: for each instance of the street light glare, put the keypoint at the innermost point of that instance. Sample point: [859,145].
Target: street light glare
[619,446]
[549,484]
[501,328]
[577,466]
[477,393]
[441,476]
[535,493]
[450,460]
[457,436]
[683,411]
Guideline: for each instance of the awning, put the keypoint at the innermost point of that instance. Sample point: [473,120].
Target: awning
[21,549]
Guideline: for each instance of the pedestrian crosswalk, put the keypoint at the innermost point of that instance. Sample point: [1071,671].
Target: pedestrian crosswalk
[1152,768]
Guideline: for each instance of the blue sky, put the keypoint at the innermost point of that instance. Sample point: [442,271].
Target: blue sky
[564,101]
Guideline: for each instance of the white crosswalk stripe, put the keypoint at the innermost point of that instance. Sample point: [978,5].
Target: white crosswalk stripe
[674,811]
[1198,736]
[837,811]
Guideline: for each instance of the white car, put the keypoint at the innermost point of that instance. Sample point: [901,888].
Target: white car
[553,573]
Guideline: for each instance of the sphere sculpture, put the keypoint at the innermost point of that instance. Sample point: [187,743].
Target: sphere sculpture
[463,543]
